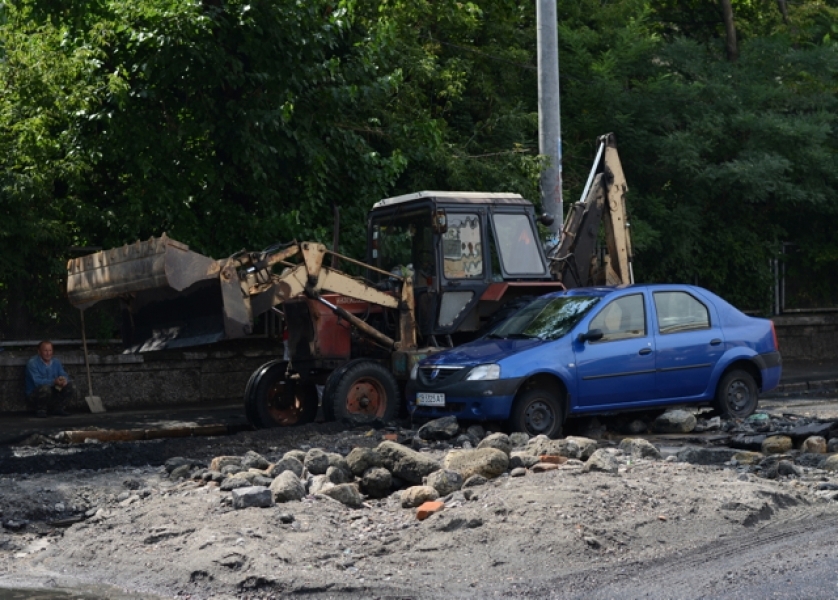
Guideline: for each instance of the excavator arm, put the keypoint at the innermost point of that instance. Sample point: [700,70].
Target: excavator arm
[574,261]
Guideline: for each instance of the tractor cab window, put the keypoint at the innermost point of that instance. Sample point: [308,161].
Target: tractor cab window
[462,247]
[403,244]
[517,244]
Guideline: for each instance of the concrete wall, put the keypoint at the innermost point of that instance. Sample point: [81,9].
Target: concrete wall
[211,375]
[808,336]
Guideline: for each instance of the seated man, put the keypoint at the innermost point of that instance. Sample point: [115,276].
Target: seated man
[48,386]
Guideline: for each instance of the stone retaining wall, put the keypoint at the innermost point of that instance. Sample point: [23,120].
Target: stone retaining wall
[807,336]
[123,381]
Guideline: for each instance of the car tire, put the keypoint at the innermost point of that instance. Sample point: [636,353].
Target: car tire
[360,393]
[537,412]
[737,395]
[273,401]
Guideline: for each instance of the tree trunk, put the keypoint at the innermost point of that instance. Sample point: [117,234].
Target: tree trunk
[781,4]
[731,46]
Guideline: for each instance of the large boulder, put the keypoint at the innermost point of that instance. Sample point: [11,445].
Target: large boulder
[445,481]
[488,462]
[439,429]
[287,487]
[316,461]
[570,447]
[675,421]
[360,460]
[404,463]
[499,441]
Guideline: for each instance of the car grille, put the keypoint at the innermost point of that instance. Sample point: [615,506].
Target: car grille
[434,375]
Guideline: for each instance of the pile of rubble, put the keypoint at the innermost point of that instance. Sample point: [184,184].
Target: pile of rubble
[426,467]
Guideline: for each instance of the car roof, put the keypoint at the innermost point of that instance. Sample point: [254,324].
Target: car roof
[609,290]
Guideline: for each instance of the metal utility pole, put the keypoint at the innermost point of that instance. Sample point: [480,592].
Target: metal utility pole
[549,118]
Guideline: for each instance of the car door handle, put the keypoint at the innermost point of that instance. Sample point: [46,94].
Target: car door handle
[715,342]
[645,351]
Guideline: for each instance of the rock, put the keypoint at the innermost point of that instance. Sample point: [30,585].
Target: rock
[361,460]
[518,472]
[519,439]
[287,487]
[808,459]
[316,461]
[339,462]
[522,459]
[832,446]
[638,448]
[231,469]
[376,482]
[181,472]
[345,493]
[444,481]
[439,429]
[286,463]
[474,481]
[252,497]
[254,460]
[633,427]
[543,467]
[338,476]
[787,468]
[745,441]
[571,447]
[675,421]
[499,441]
[298,454]
[477,431]
[178,461]
[464,440]
[235,482]
[488,462]
[602,460]
[317,484]
[404,463]
[418,495]
[747,458]
[219,462]
[429,508]
[830,463]
[814,445]
[776,444]
[706,456]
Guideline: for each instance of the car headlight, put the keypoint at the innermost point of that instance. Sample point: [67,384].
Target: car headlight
[414,371]
[484,373]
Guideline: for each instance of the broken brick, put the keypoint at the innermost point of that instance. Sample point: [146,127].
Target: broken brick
[553,459]
[429,508]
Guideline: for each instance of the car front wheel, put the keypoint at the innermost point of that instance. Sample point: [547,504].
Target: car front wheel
[737,395]
[537,412]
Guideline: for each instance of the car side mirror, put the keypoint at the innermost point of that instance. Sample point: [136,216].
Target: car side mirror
[592,335]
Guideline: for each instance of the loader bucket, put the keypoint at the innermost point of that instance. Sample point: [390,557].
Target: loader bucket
[172,297]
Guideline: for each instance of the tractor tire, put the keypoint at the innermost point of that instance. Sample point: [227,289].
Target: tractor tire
[361,392]
[273,401]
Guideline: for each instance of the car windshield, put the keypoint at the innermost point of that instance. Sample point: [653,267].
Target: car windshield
[545,318]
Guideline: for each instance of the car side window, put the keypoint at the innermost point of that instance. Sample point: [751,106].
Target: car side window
[680,311]
[621,319]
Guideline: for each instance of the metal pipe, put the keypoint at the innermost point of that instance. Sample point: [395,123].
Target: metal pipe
[549,113]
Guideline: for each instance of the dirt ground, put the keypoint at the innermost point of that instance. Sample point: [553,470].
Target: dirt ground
[106,519]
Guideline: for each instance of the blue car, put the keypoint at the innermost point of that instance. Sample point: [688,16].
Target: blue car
[601,351]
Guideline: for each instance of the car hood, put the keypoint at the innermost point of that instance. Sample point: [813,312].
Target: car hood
[481,352]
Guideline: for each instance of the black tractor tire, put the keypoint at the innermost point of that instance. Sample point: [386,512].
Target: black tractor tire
[272,401]
[737,395]
[361,392]
[537,412]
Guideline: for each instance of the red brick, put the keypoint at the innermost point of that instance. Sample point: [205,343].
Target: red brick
[552,459]
[429,508]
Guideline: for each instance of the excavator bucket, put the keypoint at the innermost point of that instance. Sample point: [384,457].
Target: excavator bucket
[172,297]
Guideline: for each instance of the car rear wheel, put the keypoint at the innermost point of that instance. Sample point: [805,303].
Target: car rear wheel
[537,412]
[737,395]
[271,400]
[362,392]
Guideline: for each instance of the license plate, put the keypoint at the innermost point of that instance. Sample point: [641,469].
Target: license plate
[429,399]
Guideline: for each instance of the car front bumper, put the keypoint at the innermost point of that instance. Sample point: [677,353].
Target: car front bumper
[467,400]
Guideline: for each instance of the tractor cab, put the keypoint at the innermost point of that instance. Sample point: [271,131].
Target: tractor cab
[467,252]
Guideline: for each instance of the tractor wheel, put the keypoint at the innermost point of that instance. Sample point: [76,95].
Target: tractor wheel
[274,401]
[361,392]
